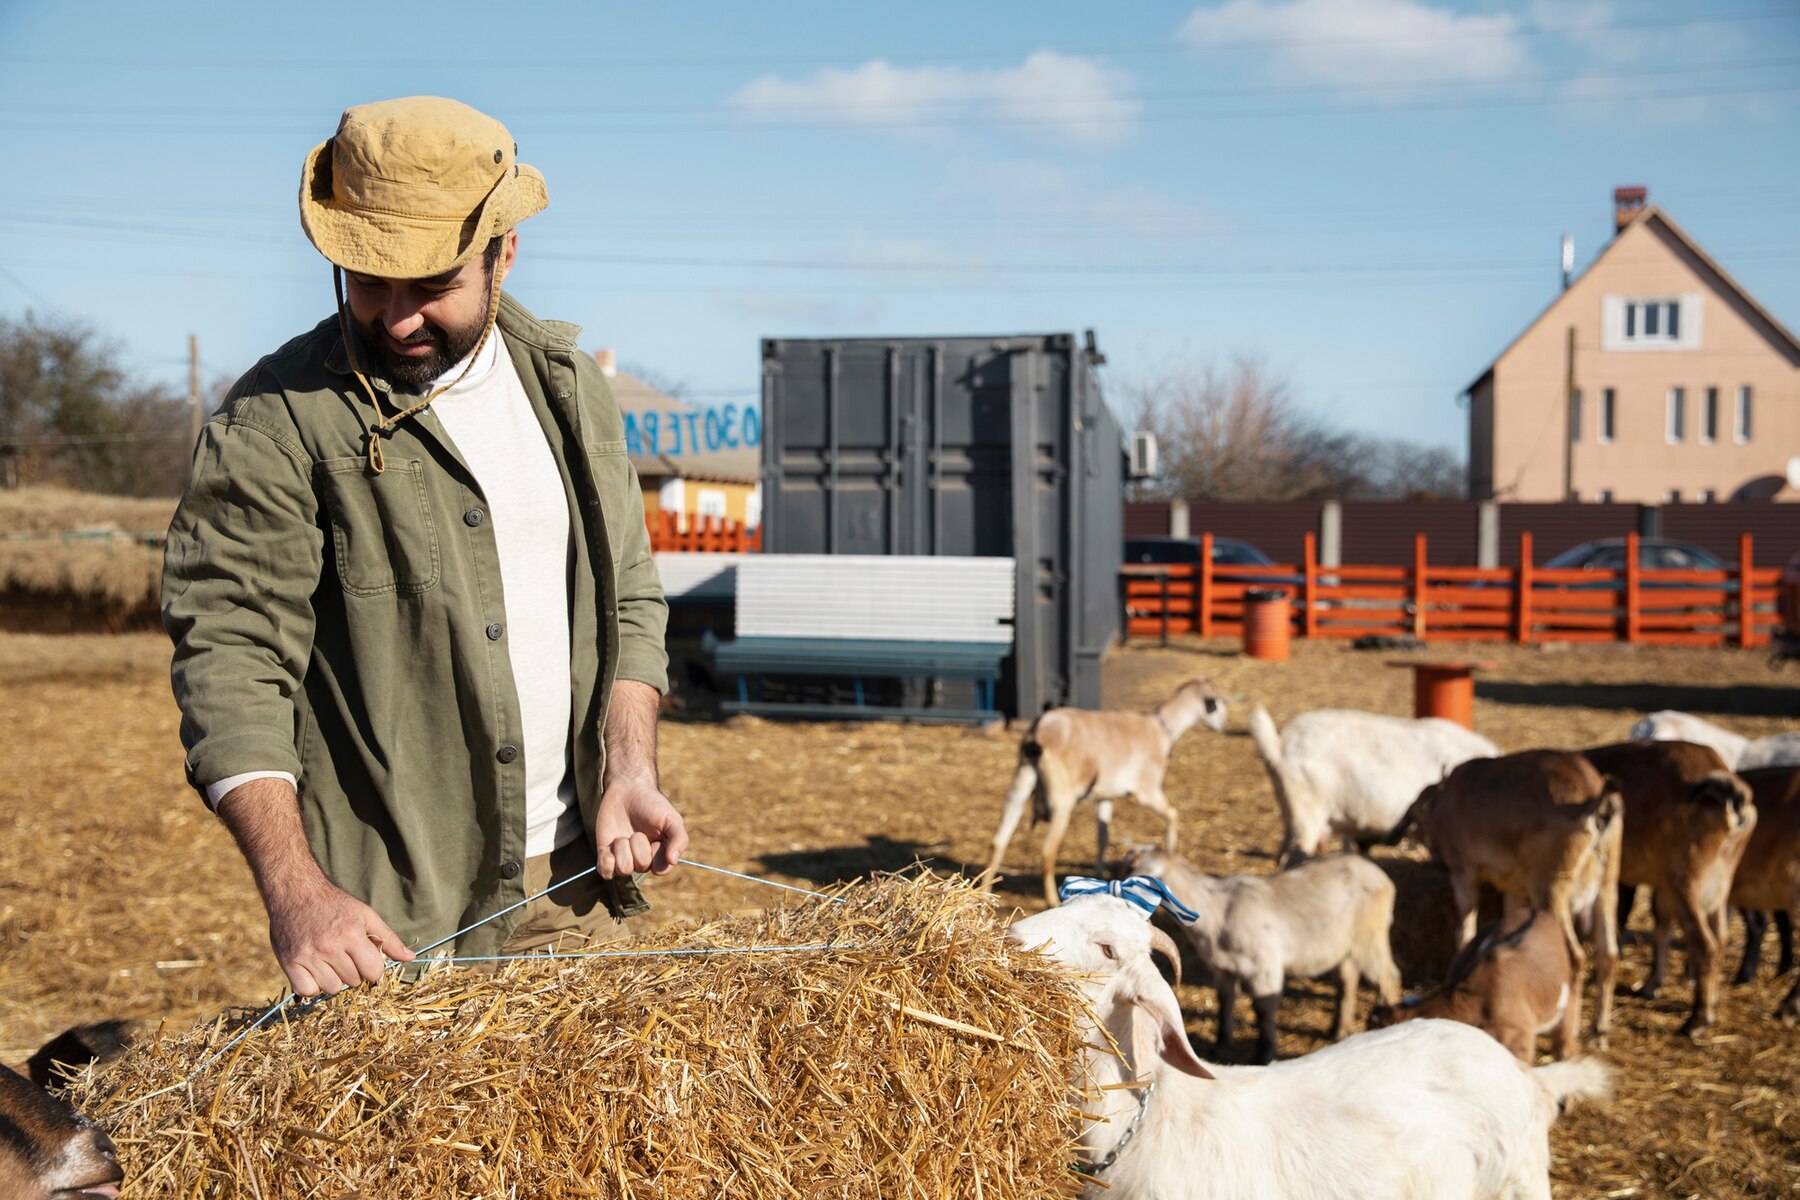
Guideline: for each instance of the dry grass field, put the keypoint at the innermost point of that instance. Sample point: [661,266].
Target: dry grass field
[120,896]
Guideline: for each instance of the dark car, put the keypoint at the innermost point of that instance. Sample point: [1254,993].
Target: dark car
[1654,554]
[1226,552]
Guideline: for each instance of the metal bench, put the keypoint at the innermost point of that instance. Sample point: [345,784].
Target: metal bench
[859,659]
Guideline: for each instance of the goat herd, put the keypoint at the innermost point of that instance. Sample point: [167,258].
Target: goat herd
[1440,1108]
[1450,1108]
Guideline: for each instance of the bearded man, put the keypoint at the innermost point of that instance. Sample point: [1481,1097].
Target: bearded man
[418,630]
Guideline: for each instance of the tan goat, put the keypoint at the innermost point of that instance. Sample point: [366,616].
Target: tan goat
[1687,822]
[1515,981]
[1768,876]
[1070,754]
[1543,827]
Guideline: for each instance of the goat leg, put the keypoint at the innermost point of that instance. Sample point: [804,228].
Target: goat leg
[1265,1007]
[1348,976]
[1784,931]
[1756,926]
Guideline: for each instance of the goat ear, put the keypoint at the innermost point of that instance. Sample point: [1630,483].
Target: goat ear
[1154,997]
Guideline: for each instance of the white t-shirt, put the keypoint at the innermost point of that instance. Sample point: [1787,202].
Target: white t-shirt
[490,421]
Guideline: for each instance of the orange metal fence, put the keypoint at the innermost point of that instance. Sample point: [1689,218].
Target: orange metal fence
[714,535]
[1526,603]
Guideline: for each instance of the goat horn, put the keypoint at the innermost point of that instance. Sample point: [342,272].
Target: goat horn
[1163,942]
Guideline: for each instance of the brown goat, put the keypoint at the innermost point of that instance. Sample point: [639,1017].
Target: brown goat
[48,1151]
[1687,822]
[1515,981]
[1542,827]
[1768,876]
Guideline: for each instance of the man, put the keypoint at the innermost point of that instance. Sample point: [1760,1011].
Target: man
[418,631]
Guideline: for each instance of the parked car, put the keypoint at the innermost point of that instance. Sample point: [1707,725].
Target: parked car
[1654,554]
[1226,552]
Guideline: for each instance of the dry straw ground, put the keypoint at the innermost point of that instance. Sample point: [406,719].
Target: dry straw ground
[119,896]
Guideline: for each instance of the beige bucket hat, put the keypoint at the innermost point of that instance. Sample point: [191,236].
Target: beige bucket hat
[414,187]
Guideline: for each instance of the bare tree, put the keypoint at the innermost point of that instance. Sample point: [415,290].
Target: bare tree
[1237,431]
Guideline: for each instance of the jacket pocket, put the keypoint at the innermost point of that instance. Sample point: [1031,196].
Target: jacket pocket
[614,482]
[381,526]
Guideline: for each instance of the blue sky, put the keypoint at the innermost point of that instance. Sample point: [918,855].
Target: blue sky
[1367,193]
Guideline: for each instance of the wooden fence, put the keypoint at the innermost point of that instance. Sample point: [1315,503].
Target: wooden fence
[714,535]
[1525,603]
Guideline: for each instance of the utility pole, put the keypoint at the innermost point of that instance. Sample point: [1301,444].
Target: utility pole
[195,416]
[1569,421]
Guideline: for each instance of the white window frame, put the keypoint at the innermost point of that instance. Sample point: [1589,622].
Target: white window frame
[1608,416]
[1623,320]
[1674,428]
[753,507]
[1707,430]
[710,502]
[1743,415]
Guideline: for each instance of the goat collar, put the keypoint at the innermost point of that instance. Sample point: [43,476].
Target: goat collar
[1145,893]
[1170,733]
[1131,1130]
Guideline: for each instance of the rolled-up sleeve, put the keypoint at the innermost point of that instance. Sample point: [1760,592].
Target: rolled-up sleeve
[643,610]
[243,560]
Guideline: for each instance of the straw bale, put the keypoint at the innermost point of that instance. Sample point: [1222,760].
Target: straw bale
[926,1060]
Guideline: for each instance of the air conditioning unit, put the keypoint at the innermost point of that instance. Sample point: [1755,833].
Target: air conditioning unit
[1143,454]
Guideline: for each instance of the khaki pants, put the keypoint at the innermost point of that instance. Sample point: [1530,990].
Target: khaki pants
[574,916]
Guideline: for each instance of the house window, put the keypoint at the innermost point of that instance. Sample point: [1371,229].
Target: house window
[1575,416]
[1651,322]
[1606,495]
[1710,495]
[1709,420]
[1674,496]
[710,503]
[1677,414]
[1608,414]
[1743,415]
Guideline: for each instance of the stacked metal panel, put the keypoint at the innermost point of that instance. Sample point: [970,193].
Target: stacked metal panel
[699,577]
[900,598]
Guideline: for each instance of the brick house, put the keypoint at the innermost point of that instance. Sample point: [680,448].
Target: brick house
[1654,377]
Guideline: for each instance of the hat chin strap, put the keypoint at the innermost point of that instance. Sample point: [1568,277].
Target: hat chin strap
[382,424]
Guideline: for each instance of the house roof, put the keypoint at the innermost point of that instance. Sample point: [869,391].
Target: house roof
[740,464]
[1725,283]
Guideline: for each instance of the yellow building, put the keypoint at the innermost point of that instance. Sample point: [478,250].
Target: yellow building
[1653,378]
[694,461]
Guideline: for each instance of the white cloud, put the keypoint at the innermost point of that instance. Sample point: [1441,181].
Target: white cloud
[1360,43]
[1068,95]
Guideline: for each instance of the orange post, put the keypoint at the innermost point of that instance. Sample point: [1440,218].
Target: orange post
[1746,599]
[1309,587]
[1418,621]
[1203,587]
[1631,588]
[1522,581]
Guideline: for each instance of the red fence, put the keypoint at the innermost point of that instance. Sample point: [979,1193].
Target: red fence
[714,535]
[1525,603]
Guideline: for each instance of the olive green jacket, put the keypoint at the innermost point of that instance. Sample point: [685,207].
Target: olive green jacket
[335,623]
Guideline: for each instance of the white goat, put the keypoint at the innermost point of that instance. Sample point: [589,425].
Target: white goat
[1329,915]
[1740,753]
[1428,1108]
[1070,754]
[1337,770]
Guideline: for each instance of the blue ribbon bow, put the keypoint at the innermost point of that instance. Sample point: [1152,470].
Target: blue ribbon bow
[1143,892]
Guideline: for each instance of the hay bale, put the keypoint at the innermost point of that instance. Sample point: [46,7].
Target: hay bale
[927,1061]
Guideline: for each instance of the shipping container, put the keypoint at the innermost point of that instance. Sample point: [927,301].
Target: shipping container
[988,446]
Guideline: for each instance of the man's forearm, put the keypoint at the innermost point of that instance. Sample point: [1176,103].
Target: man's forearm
[264,817]
[631,732]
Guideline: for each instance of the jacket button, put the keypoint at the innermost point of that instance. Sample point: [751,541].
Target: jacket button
[509,869]
[507,753]
[494,631]
[473,517]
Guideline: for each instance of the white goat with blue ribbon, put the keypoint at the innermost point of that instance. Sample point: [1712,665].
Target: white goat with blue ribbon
[1428,1108]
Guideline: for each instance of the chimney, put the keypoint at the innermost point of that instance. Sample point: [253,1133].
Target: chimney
[609,362]
[1628,202]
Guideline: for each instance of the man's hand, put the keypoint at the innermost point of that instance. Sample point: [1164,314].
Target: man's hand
[637,829]
[327,940]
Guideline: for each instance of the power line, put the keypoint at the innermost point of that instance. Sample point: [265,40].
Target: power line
[262,64]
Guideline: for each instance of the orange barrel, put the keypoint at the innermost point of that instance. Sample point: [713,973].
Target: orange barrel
[1445,690]
[1266,624]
